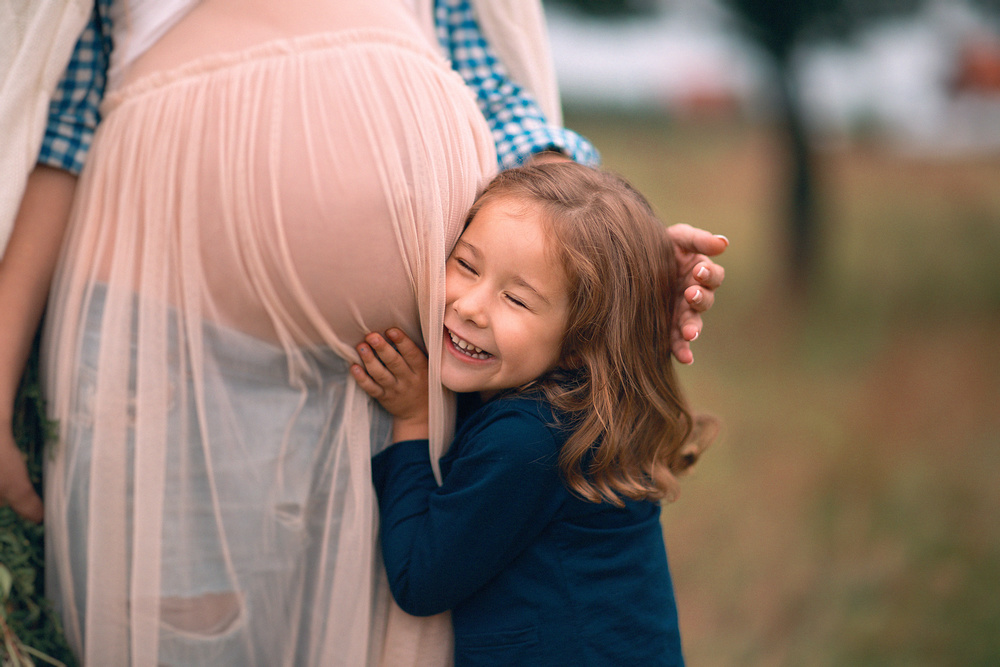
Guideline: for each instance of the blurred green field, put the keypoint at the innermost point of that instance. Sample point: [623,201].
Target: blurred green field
[850,512]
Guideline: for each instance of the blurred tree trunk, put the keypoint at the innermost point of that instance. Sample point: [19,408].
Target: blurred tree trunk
[610,7]
[802,212]
[780,26]
[777,25]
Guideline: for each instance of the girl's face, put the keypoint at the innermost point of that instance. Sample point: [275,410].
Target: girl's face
[506,302]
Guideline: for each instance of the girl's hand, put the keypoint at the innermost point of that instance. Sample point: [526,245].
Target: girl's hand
[397,378]
[700,276]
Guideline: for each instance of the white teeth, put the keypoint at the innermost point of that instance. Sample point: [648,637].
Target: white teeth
[468,348]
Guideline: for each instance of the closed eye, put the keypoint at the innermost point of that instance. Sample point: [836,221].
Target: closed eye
[464,265]
[516,301]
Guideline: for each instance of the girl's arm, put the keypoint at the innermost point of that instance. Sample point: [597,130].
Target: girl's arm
[25,275]
[441,544]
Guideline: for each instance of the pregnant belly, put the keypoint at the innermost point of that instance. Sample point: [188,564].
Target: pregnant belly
[304,190]
[320,181]
[321,151]
[318,254]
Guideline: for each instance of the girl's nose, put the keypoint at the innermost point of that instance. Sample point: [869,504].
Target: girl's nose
[471,306]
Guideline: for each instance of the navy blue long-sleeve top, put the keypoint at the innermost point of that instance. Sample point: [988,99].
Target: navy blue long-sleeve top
[533,574]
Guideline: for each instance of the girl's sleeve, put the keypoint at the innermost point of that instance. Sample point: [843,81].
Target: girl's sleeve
[520,128]
[73,111]
[443,543]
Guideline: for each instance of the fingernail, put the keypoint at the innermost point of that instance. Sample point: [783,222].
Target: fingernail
[362,349]
[698,296]
[720,236]
[695,336]
[702,273]
[394,334]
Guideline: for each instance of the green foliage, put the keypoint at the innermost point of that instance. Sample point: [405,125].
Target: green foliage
[29,629]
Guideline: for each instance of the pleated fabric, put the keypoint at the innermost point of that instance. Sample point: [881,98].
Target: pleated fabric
[243,220]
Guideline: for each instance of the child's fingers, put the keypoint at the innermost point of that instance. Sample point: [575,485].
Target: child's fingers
[412,355]
[389,356]
[375,366]
[365,381]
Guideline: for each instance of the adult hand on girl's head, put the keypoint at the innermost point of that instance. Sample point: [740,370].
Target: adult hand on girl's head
[15,486]
[397,378]
[700,277]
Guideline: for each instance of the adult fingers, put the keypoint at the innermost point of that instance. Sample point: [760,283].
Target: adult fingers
[694,240]
[687,328]
[709,274]
[680,346]
[699,299]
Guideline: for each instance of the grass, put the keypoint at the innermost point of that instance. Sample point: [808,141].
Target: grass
[848,514]
[30,632]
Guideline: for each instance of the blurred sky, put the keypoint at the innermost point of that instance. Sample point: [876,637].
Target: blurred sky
[893,79]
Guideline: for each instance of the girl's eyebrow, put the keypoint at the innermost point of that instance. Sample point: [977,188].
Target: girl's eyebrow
[471,248]
[521,282]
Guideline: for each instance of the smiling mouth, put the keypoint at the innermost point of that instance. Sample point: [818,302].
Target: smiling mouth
[467,348]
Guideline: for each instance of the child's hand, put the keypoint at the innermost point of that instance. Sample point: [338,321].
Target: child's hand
[396,378]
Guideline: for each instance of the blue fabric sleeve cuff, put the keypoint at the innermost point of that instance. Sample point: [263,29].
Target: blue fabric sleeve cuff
[74,110]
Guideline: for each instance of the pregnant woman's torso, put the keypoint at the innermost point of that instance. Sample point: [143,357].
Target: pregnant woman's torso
[327,158]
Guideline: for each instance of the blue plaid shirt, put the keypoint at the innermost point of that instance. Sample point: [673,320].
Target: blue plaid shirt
[519,127]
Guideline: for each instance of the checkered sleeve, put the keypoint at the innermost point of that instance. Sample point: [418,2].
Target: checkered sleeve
[519,126]
[73,111]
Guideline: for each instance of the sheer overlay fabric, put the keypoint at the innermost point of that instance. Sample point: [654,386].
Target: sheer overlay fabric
[243,219]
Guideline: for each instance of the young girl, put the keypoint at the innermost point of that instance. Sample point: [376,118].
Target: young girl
[544,537]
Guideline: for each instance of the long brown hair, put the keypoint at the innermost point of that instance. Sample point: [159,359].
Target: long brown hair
[631,429]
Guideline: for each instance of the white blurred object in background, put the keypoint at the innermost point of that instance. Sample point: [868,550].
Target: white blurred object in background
[924,83]
[680,61]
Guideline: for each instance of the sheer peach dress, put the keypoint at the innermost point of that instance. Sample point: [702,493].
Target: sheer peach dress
[270,181]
